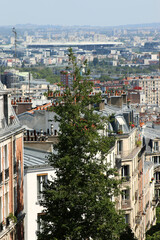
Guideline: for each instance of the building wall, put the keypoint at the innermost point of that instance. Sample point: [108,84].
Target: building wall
[11,180]
[151,88]
[32,207]
[136,183]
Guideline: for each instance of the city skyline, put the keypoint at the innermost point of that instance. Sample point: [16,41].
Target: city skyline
[69,13]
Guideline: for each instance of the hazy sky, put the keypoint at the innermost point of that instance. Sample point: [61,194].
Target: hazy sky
[79,12]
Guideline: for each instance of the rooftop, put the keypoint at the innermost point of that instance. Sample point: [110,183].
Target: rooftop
[34,157]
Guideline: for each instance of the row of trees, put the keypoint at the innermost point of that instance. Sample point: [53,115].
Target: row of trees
[78,201]
[104,67]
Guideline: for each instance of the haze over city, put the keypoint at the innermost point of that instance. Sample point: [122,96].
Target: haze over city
[90,12]
[80,120]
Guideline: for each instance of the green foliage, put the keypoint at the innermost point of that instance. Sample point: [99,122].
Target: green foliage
[104,78]
[127,234]
[42,73]
[103,67]
[77,201]
[158,214]
[154,232]
[12,218]
[95,61]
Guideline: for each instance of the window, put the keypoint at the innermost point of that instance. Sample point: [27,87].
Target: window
[14,152]
[6,204]
[125,171]
[41,179]
[119,147]
[5,156]
[125,194]
[126,216]
[155,146]
[157,175]
[15,199]
[155,159]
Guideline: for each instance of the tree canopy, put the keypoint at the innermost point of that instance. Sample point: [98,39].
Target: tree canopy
[78,201]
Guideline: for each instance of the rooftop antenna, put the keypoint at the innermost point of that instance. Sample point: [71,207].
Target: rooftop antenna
[15,52]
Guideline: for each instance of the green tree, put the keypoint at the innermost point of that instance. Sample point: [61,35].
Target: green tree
[127,234]
[78,201]
[154,232]
[95,61]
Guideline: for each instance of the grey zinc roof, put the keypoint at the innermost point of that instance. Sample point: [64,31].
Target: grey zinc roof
[151,133]
[147,165]
[115,110]
[34,157]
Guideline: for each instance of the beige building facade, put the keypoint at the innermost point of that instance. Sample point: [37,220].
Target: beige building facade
[151,88]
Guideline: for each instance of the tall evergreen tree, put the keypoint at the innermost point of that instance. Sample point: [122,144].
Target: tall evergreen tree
[78,202]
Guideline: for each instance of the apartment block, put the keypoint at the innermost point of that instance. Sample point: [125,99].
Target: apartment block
[150,86]
[66,78]
[11,171]
[152,154]
[137,190]
[36,172]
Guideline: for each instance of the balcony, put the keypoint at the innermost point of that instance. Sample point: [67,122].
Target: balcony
[126,204]
[6,173]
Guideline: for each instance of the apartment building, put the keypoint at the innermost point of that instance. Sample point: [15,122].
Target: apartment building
[150,85]
[36,172]
[11,171]
[137,198]
[66,78]
[152,140]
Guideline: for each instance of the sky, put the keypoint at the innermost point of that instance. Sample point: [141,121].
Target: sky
[79,12]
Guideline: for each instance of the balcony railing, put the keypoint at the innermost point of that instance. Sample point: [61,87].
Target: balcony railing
[6,173]
[126,203]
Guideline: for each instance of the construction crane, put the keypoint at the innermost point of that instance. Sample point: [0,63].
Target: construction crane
[15,55]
